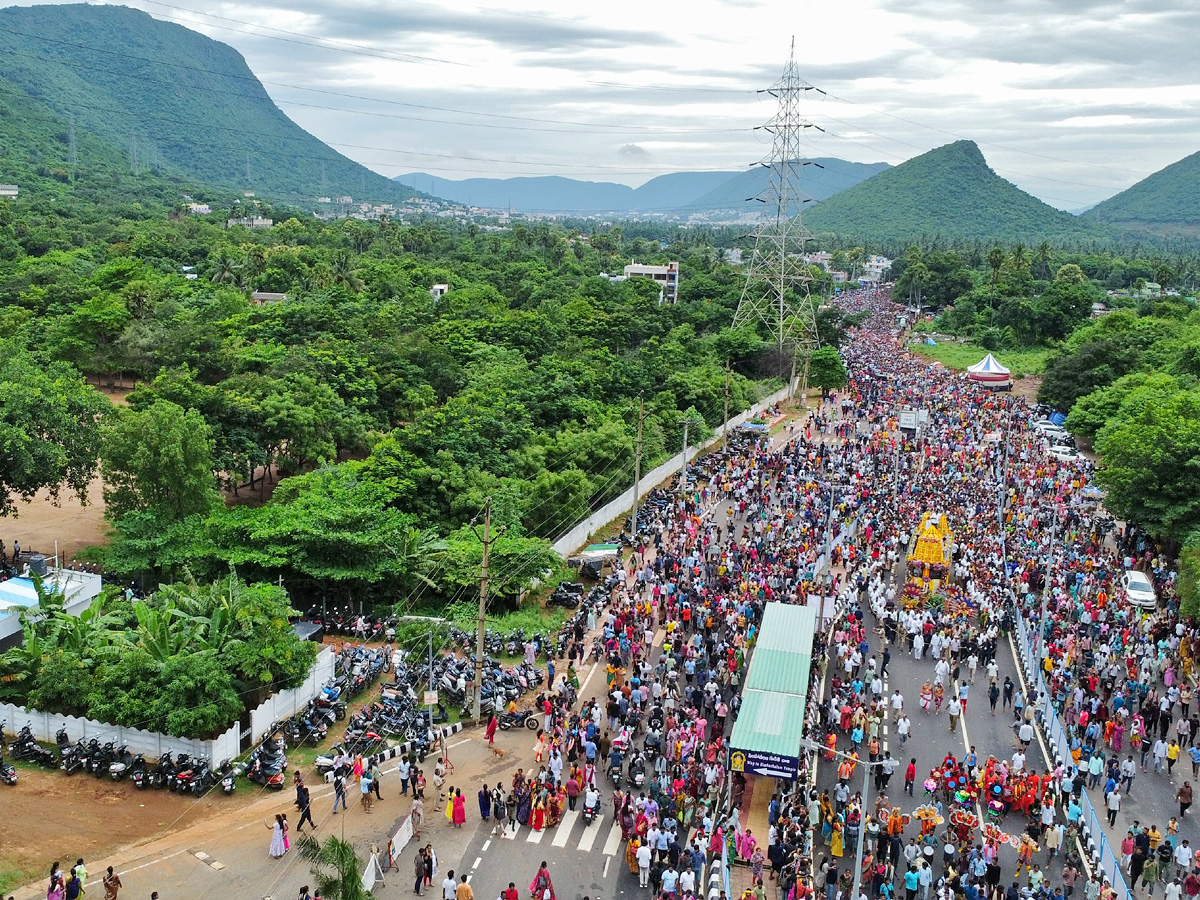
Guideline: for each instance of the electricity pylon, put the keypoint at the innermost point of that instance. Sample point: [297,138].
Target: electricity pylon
[777,290]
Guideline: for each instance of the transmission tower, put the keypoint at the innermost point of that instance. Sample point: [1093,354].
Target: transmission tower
[777,290]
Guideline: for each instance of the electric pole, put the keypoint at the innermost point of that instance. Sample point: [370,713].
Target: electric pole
[486,539]
[725,415]
[778,282]
[683,472]
[637,469]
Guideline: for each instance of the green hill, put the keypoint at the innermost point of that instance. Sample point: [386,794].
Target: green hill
[949,192]
[1167,202]
[146,95]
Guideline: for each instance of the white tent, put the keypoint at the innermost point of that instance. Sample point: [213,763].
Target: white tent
[988,371]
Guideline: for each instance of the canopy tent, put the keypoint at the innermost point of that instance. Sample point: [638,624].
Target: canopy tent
[989,372]
[766,736]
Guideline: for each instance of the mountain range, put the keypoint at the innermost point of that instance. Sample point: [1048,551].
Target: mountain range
[144,95]
[679,193]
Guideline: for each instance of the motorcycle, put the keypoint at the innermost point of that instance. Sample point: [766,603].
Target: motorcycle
[182,767]
[526,717]
[202,778]
[74,758]
[161,773]
[228,777]
[8,772]
[590,812]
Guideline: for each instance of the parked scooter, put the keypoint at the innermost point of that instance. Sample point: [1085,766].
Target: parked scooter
[139,774]
[8,772]
[121,763]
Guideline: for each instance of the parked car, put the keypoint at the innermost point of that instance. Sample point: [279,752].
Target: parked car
[1139,590]
[1064,454]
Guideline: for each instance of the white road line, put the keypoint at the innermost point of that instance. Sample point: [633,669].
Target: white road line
[478,860]
[606,862]
[614,841]
[458,743]
[510,834]
[153,862]
[564,829]
[589,834]
[534,836]
[487,844]
[588,680]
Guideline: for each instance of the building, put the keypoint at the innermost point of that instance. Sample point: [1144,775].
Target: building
[250,222]
[260,297]
[19,594]
[8,190]
[438,291]
[667,277]
[199,209]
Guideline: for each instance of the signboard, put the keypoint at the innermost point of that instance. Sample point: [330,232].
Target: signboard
[923,416]
[770,764]
[908,420]
[431,698]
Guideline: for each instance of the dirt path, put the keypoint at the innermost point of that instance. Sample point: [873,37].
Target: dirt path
[40,522]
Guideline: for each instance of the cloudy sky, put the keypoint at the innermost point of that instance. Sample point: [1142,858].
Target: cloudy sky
[1073,100]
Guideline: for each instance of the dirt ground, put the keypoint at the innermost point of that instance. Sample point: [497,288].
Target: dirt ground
[39,523]
[81,815]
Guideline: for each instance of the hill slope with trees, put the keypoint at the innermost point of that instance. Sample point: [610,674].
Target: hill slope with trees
[145,95]
[1167,202]
[949,192]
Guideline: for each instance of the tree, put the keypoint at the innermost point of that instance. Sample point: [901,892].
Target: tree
[1151,456]
[1042,257]
[995,262]
[826,370]
[158,459]
[336,869]
[49,428]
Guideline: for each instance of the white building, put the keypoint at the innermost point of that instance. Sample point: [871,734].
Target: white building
[19,594]
[8,190]
[438,291]
[667,277]
[199,209]
[250,222]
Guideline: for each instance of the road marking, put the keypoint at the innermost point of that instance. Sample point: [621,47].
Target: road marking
[614,840]
[589,834]
[478,860]
[510,834]
[607,860]
[564,829]
[458,743]
[487,844]
[153,862]
[588,680]
[535,836]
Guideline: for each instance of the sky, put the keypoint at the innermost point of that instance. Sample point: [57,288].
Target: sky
[1071,100]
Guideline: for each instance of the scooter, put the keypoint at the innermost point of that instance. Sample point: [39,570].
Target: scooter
[590,812]
[138,773]
[228,777]
[120,765]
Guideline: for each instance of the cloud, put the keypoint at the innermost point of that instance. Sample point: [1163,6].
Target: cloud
[634,152]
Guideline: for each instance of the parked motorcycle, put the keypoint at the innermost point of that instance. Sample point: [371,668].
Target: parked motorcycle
[139,774]
[121,763]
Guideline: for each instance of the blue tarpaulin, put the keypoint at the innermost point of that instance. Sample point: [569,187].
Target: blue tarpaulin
[1058,418]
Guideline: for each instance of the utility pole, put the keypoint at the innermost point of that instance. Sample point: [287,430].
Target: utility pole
[637,470]
[486,539]
[432,683]
[683,472]
[725,416]
[1046,588]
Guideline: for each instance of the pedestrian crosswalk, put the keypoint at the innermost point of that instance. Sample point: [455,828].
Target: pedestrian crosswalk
[572,831]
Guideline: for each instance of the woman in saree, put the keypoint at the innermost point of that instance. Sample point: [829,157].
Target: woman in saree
[631,849]
[641,825]
[554,807]
[542,888]
[837,842]
[628,821]
[538,820]
[524,803]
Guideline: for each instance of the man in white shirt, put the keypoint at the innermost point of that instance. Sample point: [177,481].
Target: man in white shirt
[643,861]
[687,882]
[897,705]
[449,888]
[903,728]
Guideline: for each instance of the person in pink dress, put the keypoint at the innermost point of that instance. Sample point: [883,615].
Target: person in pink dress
[459,809]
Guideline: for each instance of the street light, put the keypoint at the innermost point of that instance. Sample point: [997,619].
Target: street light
[866,788]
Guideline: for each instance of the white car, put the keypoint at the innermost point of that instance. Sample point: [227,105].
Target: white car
[1139,590]
[1064,454]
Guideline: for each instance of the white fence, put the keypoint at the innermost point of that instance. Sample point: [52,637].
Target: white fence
[578,536]
[45,726]
[286,704]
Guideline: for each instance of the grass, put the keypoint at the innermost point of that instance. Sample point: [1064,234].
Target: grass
[1029,361]
[14,876]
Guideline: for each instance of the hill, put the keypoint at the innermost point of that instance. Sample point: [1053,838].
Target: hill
[948,192]
[553,193]
[1167,202]
[682,193]
[823,179]
[149,95]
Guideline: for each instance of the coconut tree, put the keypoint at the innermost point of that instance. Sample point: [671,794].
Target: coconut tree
[995,261]
[336,868]
[1042,258]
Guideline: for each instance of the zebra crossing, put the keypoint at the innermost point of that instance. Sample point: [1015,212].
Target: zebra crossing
[568,832]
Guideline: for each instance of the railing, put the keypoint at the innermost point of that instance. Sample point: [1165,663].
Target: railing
[1092,831]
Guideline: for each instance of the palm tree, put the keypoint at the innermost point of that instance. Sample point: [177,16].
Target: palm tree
[342,272]
[336,868]
[1042,257]
[225,269]
[995,261]
[419,550]
[1019,258]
